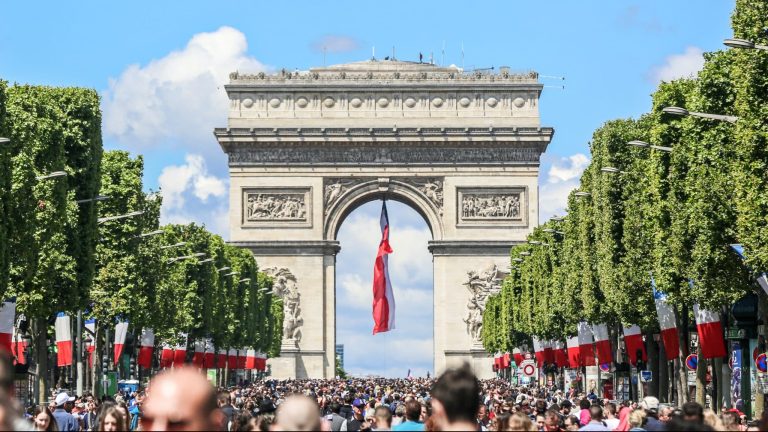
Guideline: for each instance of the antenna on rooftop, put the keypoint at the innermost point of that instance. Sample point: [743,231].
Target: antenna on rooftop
[325,49]
[442,61]
[553,77]
[373,53]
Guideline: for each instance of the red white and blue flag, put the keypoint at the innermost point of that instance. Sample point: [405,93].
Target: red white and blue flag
[146,348]
[180,352]
[63,340]
[586,350]
[383,299]
[209,360]
[710,333]
[602,343]
[198,358]
[667,323]
[121,330]
[633,341]
[7,318]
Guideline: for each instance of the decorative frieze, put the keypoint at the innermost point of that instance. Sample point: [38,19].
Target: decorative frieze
[491,205]
[276,205]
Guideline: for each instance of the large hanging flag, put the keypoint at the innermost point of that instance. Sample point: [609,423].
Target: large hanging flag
[710,333]
[19,349]
[538,351]
[574,353]
[221,359]
[232,359]
[383,299]
[762,280]
[517,355]
[666,323]
[209,361]
[241,358]
[121,330]
[586,349]
[146,347]
[63,340]
[90,335]
[261,361]
[166,356]
[602,343]
[250,359]
[561,355]
[199,355]
[633,341]
[7,319]
[180,352]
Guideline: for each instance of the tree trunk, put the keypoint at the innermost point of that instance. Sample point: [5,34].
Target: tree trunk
[653,366]
[663,368]
[41,352]
[681,369]
[719,383]
[701,378]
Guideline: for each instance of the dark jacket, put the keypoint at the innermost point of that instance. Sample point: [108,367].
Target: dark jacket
[229,414]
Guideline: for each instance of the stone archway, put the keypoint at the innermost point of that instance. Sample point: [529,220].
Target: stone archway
[305,150]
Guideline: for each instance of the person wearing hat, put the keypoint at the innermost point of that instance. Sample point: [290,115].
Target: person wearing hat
[64,420]
[651,407]
[358,422]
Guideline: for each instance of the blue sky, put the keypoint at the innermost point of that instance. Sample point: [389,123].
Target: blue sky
[160,67]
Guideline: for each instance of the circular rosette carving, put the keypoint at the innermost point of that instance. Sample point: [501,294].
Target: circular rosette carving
[302,102]
[410,102]
[437,102]
[464,102]
[247,102]
[492,102]
[382,102]
[274,102]
[518,102]
[329,102]
[356,102]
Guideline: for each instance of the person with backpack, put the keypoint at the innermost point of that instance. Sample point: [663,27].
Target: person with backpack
[338,422]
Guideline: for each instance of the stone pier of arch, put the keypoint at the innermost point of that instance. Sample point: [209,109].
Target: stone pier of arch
[307,149]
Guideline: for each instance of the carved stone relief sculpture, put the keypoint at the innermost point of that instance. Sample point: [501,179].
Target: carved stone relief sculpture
[285,287]
[493,204]
[334,188]
[275,206]
[432,188]
[481,284]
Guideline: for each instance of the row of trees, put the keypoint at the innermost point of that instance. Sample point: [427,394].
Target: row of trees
[56,255]
[666,215]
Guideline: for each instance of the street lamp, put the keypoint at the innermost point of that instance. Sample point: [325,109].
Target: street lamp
[123,216]
[518,260]
[232,274]
[557,218]
[96,198]
[5,141]
[644,144]
[525,253]
[673,110]
[223,269]
[263,289]
[205,260]
[548,230]
[245,280]
[560,232]
[612,170]
[534,242]
[195,255]
[150,234]
[582,194]
[743,44]
[179,244]
[54,174]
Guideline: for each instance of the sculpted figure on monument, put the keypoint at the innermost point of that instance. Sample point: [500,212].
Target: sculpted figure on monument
[285,287]
[432,188]
[275,207]
[481,285]
[506,206]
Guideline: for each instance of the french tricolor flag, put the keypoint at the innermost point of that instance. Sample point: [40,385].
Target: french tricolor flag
[574,352]
[121,330]
[209,361]
[232,359]
[666,323]
[261,361]
[7,319]
[90,326]
[180,352]
[710,333]
[633,341]
[198,358]
[250,359]
[166,356]
[18,349]
[63,340]
[146,348]
[561,355]
[383,298]
[517,355]
[538,351]
[221,359]
[762,280]
[602,343]
[241,357]
[585,344]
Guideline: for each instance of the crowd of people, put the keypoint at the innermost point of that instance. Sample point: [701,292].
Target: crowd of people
[183,399]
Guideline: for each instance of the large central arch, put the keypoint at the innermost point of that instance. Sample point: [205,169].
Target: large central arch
[306,149]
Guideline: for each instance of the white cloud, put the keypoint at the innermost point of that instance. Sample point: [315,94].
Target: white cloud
[177,100]
[336,44]
[563,176]
[679,65]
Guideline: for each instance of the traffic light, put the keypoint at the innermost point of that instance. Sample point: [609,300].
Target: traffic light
[639,357]
[105,364]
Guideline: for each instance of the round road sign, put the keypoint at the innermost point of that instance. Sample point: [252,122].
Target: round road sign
[529,370]
[605,367]
[761,364]
[692,361]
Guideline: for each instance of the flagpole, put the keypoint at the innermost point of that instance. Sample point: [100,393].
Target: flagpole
[79,353]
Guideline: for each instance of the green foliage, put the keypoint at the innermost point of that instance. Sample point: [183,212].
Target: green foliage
[5,193]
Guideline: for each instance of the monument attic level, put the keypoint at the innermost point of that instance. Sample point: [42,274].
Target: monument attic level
[307,148]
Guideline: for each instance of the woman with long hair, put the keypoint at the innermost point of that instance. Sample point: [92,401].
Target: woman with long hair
[44,420]
[112,418]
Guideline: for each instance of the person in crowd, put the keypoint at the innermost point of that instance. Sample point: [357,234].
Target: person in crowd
[297,413]
[712,420]
[520,422]
[595,420]
[651,407]
[112,419]
[338,423]
[611,420]
[571,423]
[584,405]
[181,399]
[693,412]
[64,420]
[358,422]
[224,402]
[43,419]
[455,398]
[382,418]
[551,420]
[665,413]
[412,416]
[637,420]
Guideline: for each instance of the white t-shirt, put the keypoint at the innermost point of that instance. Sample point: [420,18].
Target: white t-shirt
[612,423]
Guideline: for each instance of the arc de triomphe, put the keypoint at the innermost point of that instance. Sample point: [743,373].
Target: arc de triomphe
[307,148]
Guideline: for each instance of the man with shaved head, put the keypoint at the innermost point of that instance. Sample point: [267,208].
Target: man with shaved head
[181,399]
[298,413]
